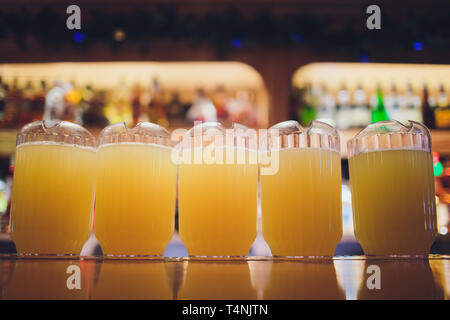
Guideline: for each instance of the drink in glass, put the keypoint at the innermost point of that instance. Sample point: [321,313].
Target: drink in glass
[393,189]
[301,202]
[135,194]
[217,192]
[53,189]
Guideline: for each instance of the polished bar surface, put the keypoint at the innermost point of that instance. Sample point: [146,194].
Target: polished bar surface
[254,278]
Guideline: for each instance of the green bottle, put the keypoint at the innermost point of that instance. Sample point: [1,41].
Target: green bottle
[308,112]
[379,112]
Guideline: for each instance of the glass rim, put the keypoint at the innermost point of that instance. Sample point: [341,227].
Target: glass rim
[291,134]
[144,132]
[55,132]
[214,134]
[390,135]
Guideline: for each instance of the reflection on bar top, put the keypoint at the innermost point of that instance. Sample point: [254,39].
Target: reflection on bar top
[252,278]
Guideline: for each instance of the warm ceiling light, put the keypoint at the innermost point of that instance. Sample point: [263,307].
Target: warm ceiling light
[119,35]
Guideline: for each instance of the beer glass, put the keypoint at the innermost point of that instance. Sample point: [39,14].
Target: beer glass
[53,189]
[301,201]
[218,179]
[393,199]
[135,194]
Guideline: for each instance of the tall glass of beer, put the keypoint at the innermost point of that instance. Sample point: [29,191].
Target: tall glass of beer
[392,185]
[301,200]
[218,182]
[53,189]
[135,194]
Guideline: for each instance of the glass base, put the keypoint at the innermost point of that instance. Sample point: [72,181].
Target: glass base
[290,258]
[213,258]
[396,256]
[132,257]
[48,255]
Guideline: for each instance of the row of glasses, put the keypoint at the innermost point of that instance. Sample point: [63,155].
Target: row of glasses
[133,174]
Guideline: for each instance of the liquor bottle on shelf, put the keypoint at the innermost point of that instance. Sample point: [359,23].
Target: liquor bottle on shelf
[157,107]
[118,108]
[220,102]
[136,93]
[2,99]
[73,111]
[55,102]
[95,101]
[37,108]
[84,105]
[442,111]
[326,111]
[12,105]
[432,101]
[307,111]
[379,113]
[427,111]
[26,104]
[392,104]
[343,108]
[175,108]
[412,108]
[145,99]
[360,111]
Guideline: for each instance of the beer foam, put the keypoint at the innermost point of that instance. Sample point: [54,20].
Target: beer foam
[53,143]
[410,148]
[299,148]
[134,143]
[223,147]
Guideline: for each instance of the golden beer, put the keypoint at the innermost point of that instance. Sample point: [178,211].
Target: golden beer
[136,185]
[392,187]
[53,189]
[217,202]
[301,202]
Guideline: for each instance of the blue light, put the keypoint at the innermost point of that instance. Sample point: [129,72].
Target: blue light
[418,46]
[297,38]
[236,42]
[78,37]
[364,58]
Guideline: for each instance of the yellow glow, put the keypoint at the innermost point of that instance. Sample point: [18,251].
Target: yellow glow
[369,74]
[181,76]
